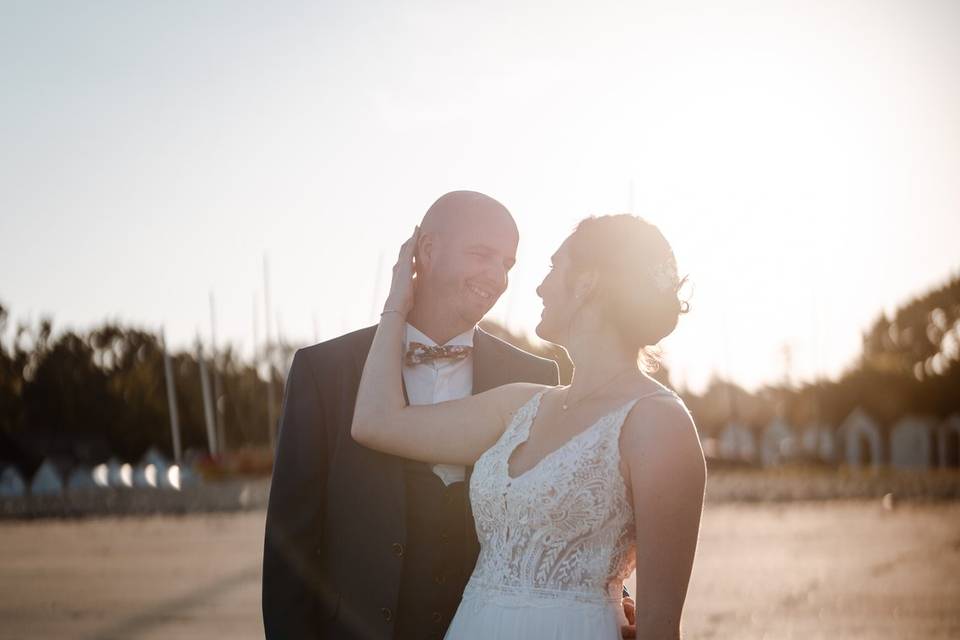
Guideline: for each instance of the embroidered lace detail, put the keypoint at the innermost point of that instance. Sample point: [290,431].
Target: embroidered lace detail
[564,528]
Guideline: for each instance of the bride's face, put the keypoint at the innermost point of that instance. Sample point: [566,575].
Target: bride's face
[559,303]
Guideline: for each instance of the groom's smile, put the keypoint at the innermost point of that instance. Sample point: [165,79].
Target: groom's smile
[472,265]
[480,293]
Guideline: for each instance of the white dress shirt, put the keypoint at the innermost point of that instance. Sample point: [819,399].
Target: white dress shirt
[438,381]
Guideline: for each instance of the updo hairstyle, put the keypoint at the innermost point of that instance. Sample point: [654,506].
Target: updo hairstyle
[637,287]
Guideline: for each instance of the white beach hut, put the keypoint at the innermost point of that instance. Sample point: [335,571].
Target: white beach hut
[46,481]
[819,441]
[11,483]
[911,443]
[862,442]
[157,476]
[777,444]
[737,443]
[948,443]
[118,474]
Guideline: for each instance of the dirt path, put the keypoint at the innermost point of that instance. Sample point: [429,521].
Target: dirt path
[827,570]
[823,570]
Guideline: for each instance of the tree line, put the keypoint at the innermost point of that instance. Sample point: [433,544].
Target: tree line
[909,365]
[87,396]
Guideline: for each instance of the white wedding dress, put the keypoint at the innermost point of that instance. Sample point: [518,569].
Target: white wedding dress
[556,542]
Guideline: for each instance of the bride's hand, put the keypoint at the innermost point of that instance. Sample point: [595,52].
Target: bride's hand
[403,285]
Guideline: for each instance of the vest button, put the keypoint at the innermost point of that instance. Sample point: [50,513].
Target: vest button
[436,617]
[440,578]
[387,614]
[444,536]
[397,549]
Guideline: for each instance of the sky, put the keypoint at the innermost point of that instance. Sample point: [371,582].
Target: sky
[802,158]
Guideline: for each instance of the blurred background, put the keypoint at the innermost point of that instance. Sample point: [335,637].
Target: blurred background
[191,192]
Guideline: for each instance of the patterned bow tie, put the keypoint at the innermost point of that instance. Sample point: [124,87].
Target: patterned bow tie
[418,353]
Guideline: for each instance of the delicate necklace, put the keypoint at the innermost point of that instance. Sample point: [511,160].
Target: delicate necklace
[566,396]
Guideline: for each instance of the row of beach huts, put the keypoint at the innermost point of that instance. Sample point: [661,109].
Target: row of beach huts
[913,442]
[51,478]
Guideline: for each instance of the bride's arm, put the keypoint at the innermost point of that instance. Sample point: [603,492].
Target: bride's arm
[458,431]
[666,473]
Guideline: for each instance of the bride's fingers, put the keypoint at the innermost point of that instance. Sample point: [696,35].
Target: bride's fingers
[411,244]
[403,270]
[409,248]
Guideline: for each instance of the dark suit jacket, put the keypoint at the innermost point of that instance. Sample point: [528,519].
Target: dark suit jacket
[336,523]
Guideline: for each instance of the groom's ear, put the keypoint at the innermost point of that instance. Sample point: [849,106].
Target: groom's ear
[424,253]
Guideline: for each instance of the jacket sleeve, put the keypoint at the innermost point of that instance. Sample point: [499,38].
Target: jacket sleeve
[296,593]
[549,373]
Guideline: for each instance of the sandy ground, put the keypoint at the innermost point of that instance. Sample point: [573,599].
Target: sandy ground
[792,570]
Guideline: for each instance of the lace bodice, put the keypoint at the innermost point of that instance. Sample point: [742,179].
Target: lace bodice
[563,528]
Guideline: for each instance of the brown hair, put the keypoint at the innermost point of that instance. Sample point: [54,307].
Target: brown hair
[638,284]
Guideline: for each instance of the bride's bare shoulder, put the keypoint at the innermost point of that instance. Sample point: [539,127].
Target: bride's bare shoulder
[661,427]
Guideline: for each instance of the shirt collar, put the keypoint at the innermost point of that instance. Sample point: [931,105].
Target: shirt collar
[465,339]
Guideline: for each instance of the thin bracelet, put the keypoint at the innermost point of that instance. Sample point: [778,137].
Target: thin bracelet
[396,311]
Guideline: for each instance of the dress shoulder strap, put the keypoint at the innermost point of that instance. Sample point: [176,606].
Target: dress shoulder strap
[523,416]
[620,416]
[655,392]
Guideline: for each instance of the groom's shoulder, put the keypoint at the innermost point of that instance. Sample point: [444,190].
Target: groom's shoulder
[515,355]
[349,346]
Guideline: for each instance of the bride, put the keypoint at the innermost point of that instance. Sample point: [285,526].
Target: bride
[573,487]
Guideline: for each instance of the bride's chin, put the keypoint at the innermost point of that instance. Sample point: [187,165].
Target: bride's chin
[543,333]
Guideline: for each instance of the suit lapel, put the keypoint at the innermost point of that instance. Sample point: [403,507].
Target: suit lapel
[484,363]
[360,359]
[363,348]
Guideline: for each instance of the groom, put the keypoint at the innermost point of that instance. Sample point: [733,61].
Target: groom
[361,544]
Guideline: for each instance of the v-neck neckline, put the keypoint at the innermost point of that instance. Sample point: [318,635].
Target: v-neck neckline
[529,427]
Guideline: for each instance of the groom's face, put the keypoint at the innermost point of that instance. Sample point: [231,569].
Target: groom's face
[469,265]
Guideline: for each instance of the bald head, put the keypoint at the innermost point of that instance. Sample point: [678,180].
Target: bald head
[466,248]
[459,211]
